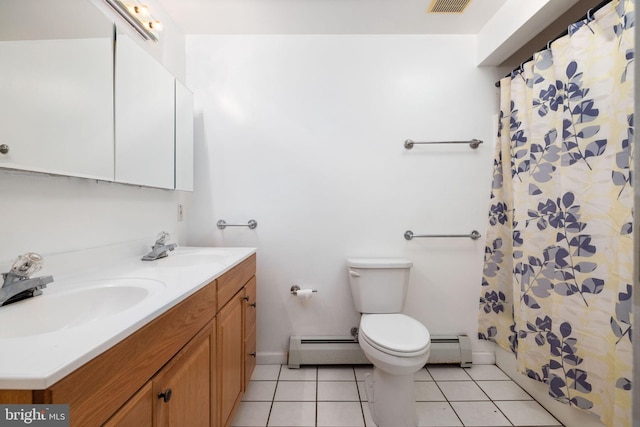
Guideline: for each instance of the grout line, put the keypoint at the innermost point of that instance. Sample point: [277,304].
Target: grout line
[273,398]
[364,420]
[446,399]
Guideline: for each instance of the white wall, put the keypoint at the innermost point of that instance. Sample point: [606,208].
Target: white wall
[305,135]
[55,214]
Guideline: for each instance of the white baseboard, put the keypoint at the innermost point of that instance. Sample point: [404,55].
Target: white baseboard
[279,358]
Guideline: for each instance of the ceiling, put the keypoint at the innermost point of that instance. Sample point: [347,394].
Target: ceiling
[324,16]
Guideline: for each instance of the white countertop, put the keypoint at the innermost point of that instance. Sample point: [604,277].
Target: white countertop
[39,360]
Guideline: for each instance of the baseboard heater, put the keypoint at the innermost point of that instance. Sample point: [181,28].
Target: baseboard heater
[345,350]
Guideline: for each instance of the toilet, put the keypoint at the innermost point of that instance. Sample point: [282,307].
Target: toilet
[396,344]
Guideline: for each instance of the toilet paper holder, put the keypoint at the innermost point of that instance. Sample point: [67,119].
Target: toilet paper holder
[296,288]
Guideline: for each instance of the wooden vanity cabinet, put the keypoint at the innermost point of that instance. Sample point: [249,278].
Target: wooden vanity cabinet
[231,346]
[137,412]
[178,395]
[250,311]
[99,388]
[229,350]
[182,388]
[197,349]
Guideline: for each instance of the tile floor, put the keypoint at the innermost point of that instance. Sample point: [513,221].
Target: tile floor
[333,396]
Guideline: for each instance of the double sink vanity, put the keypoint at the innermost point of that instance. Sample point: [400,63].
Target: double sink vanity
[137,343]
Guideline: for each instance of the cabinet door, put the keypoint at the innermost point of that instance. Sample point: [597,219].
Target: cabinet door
[230,357]
[182,389]
[250,330]
[56,88]
[144,118]
[137,412]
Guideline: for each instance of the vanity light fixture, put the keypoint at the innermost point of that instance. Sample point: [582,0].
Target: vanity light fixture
[138,16]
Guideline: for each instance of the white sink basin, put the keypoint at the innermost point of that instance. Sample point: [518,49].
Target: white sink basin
[74,306]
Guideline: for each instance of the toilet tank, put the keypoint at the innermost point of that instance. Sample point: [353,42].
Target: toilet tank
[379,285]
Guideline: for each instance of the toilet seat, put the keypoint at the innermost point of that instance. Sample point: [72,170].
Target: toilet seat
[395,334]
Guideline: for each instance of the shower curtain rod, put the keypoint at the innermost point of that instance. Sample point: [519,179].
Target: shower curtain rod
[587,16]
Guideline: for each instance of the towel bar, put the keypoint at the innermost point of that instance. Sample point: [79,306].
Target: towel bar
[474,235]
[222,224]
[474,143]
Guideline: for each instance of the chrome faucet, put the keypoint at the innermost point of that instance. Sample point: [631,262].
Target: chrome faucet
[159,248]
[17,285]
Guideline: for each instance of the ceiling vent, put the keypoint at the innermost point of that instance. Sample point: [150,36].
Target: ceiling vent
[448,6]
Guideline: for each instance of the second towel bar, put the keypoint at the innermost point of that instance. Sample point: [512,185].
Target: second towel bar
[222,224]
[474,143]
[474,235]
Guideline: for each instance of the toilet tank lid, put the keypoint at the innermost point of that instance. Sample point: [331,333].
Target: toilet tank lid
[379,263]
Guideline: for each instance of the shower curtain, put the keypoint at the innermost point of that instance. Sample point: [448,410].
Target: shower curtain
[556,286]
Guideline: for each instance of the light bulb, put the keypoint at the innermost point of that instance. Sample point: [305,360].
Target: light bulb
[155,25]
[143,10]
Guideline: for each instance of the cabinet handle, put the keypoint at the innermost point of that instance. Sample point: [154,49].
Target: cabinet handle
[253,305]
[4,148]
[166,395]
[253,354]
[246,298]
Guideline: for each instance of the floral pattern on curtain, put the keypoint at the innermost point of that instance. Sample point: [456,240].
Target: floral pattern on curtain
[556,286]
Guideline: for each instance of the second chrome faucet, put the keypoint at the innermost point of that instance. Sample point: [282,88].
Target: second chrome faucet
[160,248]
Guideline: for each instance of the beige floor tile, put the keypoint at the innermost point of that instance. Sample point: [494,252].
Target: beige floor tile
[503,390]
[266,373]
[527,413]
[479,414]
[293,414]
[251,414]
[304,373]
[338,391]
[436,414]
[428,391]
[461,391]
[447,373]
[340,414]
[422,375]
[260,391]
[296,391]
[362,370]
[336,373]
[486,373]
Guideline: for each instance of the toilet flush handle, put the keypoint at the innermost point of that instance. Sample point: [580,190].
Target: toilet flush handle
[354,273]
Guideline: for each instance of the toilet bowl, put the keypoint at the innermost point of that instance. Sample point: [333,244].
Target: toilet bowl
[396,344]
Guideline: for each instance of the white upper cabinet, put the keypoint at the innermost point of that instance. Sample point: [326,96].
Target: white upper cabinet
[56,88]
[66,109]
[184,137]
[144,118]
